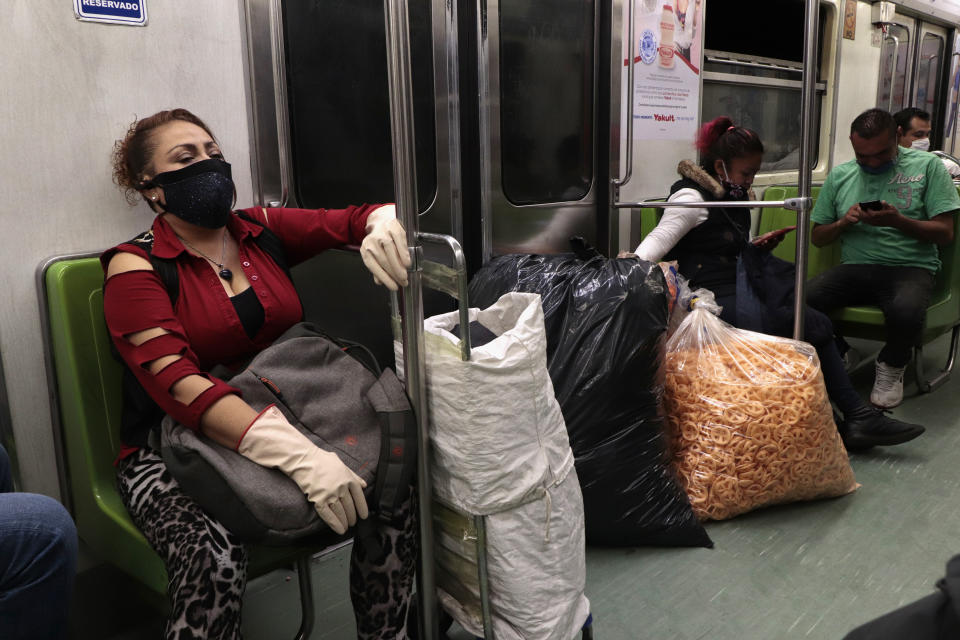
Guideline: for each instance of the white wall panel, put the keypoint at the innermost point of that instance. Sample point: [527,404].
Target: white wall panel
[69,89]
[857,80]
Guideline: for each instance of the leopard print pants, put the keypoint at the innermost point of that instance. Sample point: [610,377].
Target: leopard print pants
[207,566]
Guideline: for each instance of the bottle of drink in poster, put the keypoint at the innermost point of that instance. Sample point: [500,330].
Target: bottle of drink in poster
[666,50]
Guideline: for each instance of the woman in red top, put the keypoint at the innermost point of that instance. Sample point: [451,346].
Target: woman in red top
[233,301]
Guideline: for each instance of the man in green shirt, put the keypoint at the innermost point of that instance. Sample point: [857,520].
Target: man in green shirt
[889,208]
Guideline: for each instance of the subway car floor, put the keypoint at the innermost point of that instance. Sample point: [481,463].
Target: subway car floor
[805,570]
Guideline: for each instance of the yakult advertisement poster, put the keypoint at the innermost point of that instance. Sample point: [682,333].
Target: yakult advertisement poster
[667,62]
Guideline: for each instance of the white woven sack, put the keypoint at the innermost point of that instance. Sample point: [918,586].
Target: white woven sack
[496,428]
[537,569]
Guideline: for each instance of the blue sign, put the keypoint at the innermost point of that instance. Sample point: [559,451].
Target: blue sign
[132,12]
[648,46]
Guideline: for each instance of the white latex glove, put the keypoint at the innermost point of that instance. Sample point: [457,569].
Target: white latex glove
[335,491]
[384,249]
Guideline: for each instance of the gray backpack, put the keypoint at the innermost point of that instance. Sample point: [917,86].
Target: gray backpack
[338,403]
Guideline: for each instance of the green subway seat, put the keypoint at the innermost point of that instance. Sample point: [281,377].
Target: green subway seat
[649,217]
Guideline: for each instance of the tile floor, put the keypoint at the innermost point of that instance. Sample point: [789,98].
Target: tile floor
[811,570]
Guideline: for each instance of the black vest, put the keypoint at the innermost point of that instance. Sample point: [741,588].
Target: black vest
[707,254]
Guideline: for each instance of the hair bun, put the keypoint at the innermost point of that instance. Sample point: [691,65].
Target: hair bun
[711,131]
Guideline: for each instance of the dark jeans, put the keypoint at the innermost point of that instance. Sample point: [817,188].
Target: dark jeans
[38,558]
[835,377]
[902,293]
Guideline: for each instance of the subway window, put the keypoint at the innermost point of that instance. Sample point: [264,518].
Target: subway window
[753,72]
[546,100]
[929,68]
[339,106]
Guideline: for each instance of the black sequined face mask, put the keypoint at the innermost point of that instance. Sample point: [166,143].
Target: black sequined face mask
[734,191]
[200,194]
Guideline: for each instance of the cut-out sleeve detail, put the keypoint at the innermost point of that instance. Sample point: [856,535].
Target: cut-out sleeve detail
[174,372]
[307,232]
[135,301]
[155,348]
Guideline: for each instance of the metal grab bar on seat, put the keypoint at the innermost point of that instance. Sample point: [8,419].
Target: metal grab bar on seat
[453,282]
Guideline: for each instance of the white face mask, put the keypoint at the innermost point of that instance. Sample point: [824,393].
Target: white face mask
[923,144]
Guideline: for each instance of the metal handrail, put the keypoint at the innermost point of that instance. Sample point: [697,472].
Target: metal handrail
[721,77]
[619,183]
[405,187]
[456,290]
[280,99]
[439,277]
[793,204]
[893,67]
[944,154]
[807,95]
[757,65]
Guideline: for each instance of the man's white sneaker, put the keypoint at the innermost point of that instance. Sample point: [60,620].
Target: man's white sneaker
[888,386]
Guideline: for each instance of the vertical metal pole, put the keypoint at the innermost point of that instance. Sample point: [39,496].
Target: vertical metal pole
[486,154]
[483,577]
[280,104]
[618,183]
[307,615]
[405,186]
[807,96]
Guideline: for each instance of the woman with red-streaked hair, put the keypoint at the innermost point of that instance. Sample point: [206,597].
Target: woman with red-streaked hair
[709,243]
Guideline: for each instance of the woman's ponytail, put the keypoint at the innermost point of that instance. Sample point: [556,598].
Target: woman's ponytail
[722,139]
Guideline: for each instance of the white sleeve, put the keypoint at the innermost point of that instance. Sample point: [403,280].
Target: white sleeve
[952,168]
[674,224]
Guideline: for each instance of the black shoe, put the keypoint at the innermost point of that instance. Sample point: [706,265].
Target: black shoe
[871,427]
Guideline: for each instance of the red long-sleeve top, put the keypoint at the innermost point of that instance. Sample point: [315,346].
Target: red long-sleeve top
[203,327]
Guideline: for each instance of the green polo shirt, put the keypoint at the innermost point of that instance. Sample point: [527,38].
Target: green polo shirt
[917,185]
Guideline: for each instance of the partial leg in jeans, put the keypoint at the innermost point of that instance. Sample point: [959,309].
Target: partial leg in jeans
[902,293]
[207,567]
[38,559]
[842,286]
[904,305]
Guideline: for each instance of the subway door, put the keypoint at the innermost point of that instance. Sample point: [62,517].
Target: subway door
[536,75]
[951,142]
[320,122]
[896,65]
[930,68]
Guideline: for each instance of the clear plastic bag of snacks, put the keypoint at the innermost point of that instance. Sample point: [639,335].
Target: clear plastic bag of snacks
[749,420]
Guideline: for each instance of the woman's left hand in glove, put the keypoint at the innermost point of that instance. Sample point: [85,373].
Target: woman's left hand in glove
[384,249]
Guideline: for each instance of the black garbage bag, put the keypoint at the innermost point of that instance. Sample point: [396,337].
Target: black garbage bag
[605,320]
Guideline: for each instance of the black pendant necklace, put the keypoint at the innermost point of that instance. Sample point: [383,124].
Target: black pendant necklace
[223,272]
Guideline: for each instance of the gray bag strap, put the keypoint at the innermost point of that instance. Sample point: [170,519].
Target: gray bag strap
[398,446]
